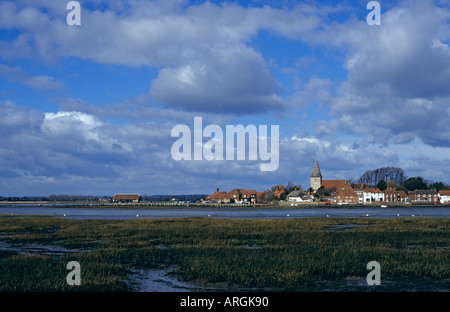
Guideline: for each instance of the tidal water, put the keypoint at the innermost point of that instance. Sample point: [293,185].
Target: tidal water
[121,213]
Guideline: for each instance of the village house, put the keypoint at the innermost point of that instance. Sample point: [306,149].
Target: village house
[248,196]
[423,196]
[235,196]
[360,194]
[346,196]
[444,197]
[371,195]
[262,197]
[299,196]
[220,197]
[334,185]
[395,196]
[279,191]
[126,198]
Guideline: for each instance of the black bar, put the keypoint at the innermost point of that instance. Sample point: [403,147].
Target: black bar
[226,301]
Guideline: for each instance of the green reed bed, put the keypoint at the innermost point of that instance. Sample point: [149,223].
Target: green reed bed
[289,254]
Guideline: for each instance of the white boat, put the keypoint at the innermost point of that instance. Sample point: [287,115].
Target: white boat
[383,206]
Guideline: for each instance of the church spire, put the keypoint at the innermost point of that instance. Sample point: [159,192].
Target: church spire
[316,171]
[316,177]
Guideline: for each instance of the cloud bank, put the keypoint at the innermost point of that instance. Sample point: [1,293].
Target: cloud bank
[353,96]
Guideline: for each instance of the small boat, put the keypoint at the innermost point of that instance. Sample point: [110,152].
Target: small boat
[383,206]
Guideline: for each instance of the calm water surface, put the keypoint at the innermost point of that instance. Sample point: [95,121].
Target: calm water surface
[226,212]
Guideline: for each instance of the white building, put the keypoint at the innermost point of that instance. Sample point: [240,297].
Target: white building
[444,197]
[299,196]
[360,194]
[372,195]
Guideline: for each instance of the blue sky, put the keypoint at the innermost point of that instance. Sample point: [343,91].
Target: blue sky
[89,109]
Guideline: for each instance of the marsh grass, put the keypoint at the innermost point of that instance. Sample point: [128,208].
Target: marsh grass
[288,254]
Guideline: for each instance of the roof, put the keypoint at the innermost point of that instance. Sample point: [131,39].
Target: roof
[278,192]
[372,190]
[445,192]
[334,184]
[259,194]
[298,193]
[346,192]
[126,196]
[219,195]
[316,171]
[423,192]
[394,192]
[248,192]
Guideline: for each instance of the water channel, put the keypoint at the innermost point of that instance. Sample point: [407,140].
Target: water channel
[122,213]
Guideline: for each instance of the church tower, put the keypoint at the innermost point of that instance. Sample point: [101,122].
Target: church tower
[316,177]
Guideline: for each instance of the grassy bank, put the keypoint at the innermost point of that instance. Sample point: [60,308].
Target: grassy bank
[296,254]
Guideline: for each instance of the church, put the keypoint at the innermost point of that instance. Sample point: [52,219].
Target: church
[316,181]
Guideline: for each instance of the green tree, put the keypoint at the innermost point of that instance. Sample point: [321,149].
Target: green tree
[416,183]
[439,186]
[381,185]
[401,188]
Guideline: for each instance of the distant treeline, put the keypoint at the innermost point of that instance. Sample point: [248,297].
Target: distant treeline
[24,198]
[52,198]
[396,177]
[91,198]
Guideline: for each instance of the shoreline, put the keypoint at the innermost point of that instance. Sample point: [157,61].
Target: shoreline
[168,205]
[127,212]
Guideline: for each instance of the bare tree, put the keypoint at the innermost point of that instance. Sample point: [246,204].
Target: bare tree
[394,174]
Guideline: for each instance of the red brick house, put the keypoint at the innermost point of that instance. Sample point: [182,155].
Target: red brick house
[334,185]
[346,196]
[423,197]
[219,196]
[278,191]
[395,196]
